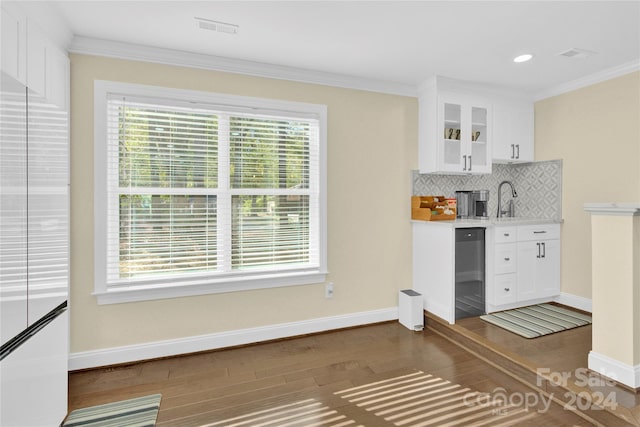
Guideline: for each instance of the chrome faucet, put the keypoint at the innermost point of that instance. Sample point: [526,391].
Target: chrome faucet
[510,210]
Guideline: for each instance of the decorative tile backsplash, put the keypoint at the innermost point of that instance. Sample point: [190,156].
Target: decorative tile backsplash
[538,184]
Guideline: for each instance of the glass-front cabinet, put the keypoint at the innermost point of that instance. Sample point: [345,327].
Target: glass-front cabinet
[454,133]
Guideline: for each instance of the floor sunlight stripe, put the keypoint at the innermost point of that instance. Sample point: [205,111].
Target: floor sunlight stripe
[264,411]
[278,421]
[418,399]
[404,393]
[405,387]
[387,386]
[432,405]
[379,382]
[435,411]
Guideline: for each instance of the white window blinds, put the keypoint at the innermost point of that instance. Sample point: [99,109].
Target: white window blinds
[208,193]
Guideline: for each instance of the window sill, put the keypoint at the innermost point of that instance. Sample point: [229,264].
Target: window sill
[118,296]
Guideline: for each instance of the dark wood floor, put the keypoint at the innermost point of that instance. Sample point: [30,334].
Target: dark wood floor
[323,380]
[562,355]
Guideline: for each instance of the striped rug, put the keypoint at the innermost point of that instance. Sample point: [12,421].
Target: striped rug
[537,320]
[138,412]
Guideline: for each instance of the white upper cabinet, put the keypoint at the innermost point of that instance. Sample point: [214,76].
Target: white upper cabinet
[31,58]
[14,44]
[464,127]
[455,132]
[513,123]
[57,81]
[36,59]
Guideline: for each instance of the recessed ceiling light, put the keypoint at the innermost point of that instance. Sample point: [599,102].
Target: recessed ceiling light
[523,58]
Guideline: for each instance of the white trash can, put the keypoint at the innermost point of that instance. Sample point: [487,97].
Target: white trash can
[410,311]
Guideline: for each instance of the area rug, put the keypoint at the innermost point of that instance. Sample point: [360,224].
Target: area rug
[537,320]
[138,412]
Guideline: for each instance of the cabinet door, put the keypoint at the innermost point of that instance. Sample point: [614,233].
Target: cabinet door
[14,44]
[528,256]
[538,269]
[48,201]
[479,139]
[548,269]
[13,208]
[57,78]
[36,60]
[450,137]
[33,391]
[513,132]
[463,135]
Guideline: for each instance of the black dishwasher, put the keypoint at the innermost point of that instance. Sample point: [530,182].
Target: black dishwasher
[470,272]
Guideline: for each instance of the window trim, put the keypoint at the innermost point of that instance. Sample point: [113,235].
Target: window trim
[198,285]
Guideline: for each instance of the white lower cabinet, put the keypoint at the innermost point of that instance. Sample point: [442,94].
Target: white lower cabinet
[525,267]
[538,269]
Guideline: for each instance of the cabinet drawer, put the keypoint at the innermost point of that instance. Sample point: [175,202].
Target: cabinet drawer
[504,290]
[538,232]
[505,234]
[505,258]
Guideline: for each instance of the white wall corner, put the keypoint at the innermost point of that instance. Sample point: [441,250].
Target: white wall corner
[174,347]
[575,301]
[614,369]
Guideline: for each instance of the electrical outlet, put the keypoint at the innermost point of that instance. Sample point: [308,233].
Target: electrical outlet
[328,290]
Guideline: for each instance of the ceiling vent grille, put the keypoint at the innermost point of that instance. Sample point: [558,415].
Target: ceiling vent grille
[576,53]
[220,27]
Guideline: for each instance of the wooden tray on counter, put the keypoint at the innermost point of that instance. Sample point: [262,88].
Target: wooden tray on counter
[425,208]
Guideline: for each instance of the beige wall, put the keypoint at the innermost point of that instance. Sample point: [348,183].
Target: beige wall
[596,131]
[372,146]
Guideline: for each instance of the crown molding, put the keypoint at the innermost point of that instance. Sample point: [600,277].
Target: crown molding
[136,52]
[608,74]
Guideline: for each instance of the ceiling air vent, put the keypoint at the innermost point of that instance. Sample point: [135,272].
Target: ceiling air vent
[220,27]
[576,53]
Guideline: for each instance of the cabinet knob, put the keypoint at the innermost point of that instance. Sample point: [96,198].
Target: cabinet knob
[506,234]
[507,289]
[507,259]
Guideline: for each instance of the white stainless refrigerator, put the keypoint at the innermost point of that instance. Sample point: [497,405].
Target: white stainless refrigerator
[34,258]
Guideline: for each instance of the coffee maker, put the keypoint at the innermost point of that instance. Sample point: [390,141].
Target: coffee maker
[472,204]
[480,200]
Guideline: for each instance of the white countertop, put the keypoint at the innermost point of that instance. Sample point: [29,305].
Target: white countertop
[490,222]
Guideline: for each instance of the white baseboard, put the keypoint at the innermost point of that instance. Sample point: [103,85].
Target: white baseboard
[152,350]
[581,303]
[621,372]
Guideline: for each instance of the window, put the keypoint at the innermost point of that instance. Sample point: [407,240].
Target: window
[202,193]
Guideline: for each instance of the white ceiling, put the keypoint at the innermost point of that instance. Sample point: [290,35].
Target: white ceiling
[393,41]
